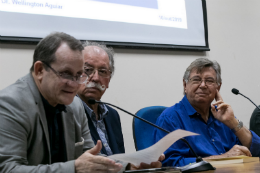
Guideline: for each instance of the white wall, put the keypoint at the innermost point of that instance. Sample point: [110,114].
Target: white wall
[154,77]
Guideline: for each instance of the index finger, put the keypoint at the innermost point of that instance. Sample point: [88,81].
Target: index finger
[162,157]
[245,150]
[218,96]
[103,160]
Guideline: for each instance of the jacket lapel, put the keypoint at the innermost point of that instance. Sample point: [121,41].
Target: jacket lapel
[38,102]
[110,134]
[69,134]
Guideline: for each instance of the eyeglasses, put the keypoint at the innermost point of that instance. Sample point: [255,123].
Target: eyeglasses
[80,79]
[198,81]
[105,73]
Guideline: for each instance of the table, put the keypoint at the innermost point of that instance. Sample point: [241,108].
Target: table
[252,167]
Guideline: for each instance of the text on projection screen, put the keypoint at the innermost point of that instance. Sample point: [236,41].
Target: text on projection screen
[167,13]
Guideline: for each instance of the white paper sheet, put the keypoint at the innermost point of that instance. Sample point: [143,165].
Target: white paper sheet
[152,153]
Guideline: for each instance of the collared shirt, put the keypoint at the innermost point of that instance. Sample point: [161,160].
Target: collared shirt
[56,133]
[100,125]
[215,138]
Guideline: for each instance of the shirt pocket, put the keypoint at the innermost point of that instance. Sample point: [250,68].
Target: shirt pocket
[79,148]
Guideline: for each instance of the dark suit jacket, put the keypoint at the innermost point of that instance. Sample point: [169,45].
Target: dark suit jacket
[114,131]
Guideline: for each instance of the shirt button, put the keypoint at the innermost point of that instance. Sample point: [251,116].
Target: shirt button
[105,145]
[213,140]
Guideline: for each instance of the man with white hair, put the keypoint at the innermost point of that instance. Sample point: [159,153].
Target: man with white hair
[104,121]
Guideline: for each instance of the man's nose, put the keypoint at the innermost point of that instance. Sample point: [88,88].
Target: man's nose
[203,83]
[72,83]
[95,76]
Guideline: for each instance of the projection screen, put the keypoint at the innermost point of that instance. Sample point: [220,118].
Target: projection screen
[180,24]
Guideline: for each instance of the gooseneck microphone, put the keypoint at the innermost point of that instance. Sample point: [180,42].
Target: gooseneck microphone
[200,164]
[236,91]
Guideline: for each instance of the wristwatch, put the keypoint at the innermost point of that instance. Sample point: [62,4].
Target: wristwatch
[238,127]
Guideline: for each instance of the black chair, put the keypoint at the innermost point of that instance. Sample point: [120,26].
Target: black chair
[255,121]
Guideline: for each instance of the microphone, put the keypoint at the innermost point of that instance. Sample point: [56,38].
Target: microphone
[200,164]
[92,101]
[236,91]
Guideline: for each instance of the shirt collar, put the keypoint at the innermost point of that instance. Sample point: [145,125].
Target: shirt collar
[190,110]
[57,109]
[102,110]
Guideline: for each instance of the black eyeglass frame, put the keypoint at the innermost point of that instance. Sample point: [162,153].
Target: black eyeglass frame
[77,79]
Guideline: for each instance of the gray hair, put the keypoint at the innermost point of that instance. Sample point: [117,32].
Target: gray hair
[109,50]
[200,64]
[47,47]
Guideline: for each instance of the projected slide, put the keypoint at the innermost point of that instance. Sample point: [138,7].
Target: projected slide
[167,13]
[138,3]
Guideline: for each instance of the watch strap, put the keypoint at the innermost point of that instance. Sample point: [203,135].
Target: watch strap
[238,127]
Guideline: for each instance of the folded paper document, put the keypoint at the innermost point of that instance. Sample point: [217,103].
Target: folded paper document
[152,153]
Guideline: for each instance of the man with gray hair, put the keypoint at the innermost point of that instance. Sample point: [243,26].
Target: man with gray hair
[221,134]
[104,121]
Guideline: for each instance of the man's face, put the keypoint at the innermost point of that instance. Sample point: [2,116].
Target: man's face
[96,58]
[201,93]
[55,89]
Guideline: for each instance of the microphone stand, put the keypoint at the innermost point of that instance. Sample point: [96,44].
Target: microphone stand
[236,92]
[200,164]
[249,100]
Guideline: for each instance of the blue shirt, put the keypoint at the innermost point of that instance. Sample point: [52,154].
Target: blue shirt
[215,138]
[100,125]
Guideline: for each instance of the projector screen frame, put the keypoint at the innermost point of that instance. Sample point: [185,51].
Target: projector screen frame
[34,40]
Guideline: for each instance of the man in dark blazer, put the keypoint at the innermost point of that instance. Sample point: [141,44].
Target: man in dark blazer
[113,128]
[104,121]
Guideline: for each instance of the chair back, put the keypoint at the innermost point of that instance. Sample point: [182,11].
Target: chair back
[143,132]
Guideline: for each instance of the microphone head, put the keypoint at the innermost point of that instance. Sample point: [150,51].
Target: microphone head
[235,91]
[91,101]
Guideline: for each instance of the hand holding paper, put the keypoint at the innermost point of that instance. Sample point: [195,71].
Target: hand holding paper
[152,153]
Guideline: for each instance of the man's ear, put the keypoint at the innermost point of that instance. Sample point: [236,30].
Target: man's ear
[219,86]
[184,85]
[108,82]
[38,70]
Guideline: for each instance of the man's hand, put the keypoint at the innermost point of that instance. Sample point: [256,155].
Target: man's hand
[162,157]
[88,162]
[156,164]
[237,150]
[225,113]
